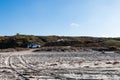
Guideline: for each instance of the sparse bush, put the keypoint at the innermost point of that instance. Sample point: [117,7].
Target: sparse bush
[112,43]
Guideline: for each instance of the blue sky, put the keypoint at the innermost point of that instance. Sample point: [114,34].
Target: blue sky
[99,18]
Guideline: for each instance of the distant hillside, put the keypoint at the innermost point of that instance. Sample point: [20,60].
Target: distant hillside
[47,41]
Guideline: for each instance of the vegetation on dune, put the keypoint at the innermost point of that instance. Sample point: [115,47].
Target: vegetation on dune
[22,41]
[18,41]
[112,42]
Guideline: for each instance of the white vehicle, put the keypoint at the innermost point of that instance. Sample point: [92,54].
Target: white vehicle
[33,45]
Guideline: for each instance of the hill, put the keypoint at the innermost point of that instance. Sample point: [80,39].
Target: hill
[21,41]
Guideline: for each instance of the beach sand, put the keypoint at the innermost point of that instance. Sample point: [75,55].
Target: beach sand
[28,65]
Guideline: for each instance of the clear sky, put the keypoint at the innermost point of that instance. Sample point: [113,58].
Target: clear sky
[99,18]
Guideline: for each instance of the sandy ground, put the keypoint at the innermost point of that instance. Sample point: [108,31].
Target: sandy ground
[28,65]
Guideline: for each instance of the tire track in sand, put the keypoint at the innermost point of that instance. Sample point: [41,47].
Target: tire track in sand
[14,71]
[54,75]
